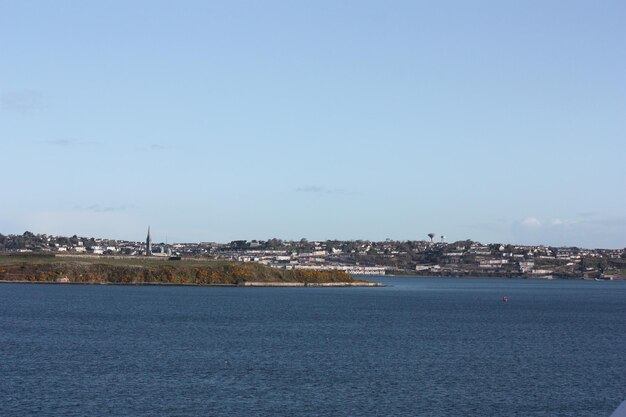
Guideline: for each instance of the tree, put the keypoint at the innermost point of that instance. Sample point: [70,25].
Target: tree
[239,244]
[274,243]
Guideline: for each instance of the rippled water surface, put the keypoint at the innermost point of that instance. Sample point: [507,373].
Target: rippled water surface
[418,347]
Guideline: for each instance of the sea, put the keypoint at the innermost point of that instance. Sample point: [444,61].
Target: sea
[438,347]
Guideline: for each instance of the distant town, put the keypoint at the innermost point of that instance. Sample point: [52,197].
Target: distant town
[356,257]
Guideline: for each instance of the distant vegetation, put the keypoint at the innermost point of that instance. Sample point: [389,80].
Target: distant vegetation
[129,271]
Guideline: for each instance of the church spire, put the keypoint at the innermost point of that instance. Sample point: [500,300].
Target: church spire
[148,243]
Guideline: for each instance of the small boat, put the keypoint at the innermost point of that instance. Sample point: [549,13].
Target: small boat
[505,299]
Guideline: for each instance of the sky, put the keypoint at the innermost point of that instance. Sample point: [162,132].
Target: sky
[223,120]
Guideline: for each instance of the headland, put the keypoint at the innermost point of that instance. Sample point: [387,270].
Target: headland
[154,271]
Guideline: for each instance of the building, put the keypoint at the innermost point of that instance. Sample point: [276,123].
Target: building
[148,243]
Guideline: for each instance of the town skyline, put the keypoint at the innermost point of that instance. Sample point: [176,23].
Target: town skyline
[148,240]
[439,258]
[589,230]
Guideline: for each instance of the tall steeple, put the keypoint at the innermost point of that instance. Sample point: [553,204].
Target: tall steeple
[148,243]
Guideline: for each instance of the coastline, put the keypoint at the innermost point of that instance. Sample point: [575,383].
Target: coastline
[247,284]
[555,277]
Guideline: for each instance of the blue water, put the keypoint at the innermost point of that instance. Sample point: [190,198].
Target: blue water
[419,347]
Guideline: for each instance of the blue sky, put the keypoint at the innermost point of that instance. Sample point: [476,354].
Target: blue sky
[214,121]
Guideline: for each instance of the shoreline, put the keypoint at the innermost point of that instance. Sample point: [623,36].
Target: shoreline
[249,284]
[520,277]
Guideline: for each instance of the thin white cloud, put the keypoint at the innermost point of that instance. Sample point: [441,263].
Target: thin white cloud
[152,147]
[100,208]
[22,100]
[318,189]
[310,189]
[68,142]
[59,142]
[587,214]
[594,232]
[531,222]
